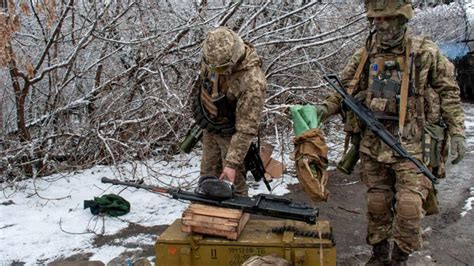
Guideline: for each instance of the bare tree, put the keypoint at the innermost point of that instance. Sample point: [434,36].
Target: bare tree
[106,82]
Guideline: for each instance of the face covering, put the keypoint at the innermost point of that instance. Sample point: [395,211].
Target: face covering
[389,31]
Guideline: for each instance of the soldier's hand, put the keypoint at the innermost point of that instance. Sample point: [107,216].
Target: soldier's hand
[228,174]
[458,145]
[321,111]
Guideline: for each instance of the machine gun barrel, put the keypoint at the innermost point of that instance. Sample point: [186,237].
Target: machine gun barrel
[262,204]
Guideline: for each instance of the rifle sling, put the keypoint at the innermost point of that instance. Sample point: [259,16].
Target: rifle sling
[404,87]
[355,81]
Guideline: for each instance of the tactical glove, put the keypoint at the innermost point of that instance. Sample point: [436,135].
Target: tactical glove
[458,145]
[321,111]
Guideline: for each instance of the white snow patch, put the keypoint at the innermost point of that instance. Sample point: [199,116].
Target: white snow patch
[47,220]
[468,203]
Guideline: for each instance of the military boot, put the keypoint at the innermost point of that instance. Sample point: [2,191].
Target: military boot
[399,257]
[380,254]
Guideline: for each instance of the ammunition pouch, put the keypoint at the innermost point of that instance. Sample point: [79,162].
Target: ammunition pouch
[435,148]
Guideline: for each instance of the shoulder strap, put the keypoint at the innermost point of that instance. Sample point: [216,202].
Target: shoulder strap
[412,47]
[355,81]
[407,62]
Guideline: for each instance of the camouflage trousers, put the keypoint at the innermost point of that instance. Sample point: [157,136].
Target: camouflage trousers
[395,197]
[214,150]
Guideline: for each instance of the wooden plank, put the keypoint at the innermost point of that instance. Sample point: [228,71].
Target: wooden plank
[213,226]
[215,221]
[214,211]
[243,222]
[211,220]
[211,231]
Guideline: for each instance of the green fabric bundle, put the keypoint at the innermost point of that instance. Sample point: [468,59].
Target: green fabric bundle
[109,204]
[304,117]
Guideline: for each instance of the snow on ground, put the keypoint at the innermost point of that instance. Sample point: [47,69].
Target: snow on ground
[468,203]
[470,11]
[46,219]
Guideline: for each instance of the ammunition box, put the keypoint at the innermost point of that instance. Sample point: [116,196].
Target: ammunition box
[259,238]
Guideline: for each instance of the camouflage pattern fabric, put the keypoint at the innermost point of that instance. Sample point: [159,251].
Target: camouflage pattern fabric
[403,219]
[215,147]
[435,96]
[222,46]
[244,87]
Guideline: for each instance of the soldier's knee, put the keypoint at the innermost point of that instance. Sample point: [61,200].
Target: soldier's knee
[378,202]
[409,205]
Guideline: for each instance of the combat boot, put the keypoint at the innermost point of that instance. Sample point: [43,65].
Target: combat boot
[399,257]
[380,254]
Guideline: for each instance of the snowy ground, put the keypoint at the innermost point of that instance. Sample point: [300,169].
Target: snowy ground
[44,220]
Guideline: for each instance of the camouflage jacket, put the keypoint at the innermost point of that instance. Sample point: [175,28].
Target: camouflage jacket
[435,96]
[245,90]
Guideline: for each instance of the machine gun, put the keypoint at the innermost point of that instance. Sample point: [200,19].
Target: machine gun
[263,204]
[366,116]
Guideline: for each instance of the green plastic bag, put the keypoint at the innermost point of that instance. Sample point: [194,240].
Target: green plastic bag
[304,118]
[109,204]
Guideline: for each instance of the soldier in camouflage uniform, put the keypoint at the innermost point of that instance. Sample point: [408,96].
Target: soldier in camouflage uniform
[229,104]
[409,86]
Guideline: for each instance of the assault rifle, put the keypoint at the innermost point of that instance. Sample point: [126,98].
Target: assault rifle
[366,116]
[263,204]
[254,164]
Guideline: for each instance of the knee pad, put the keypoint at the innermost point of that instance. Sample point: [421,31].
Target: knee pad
[378,201]
[408,205]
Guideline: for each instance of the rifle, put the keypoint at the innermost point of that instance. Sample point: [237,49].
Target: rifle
[263,204]
[366,116]
[254,164]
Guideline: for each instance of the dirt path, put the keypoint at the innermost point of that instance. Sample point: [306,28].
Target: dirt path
[448,237]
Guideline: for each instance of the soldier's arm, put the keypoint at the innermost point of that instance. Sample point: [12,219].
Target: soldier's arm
[441,77]
[333,101]
[248,114]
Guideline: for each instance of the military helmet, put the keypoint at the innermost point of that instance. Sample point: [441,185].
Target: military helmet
[389,8]
[222,48]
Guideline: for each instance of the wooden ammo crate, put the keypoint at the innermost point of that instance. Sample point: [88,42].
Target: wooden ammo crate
[215,221]
[175,247]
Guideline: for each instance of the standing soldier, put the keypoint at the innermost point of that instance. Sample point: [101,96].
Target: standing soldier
[409,86]
[228,105]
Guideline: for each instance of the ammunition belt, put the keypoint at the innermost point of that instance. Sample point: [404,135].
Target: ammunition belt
[299,232]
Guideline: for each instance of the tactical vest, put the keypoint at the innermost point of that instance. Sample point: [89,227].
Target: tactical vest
[214,108]
[380,81]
